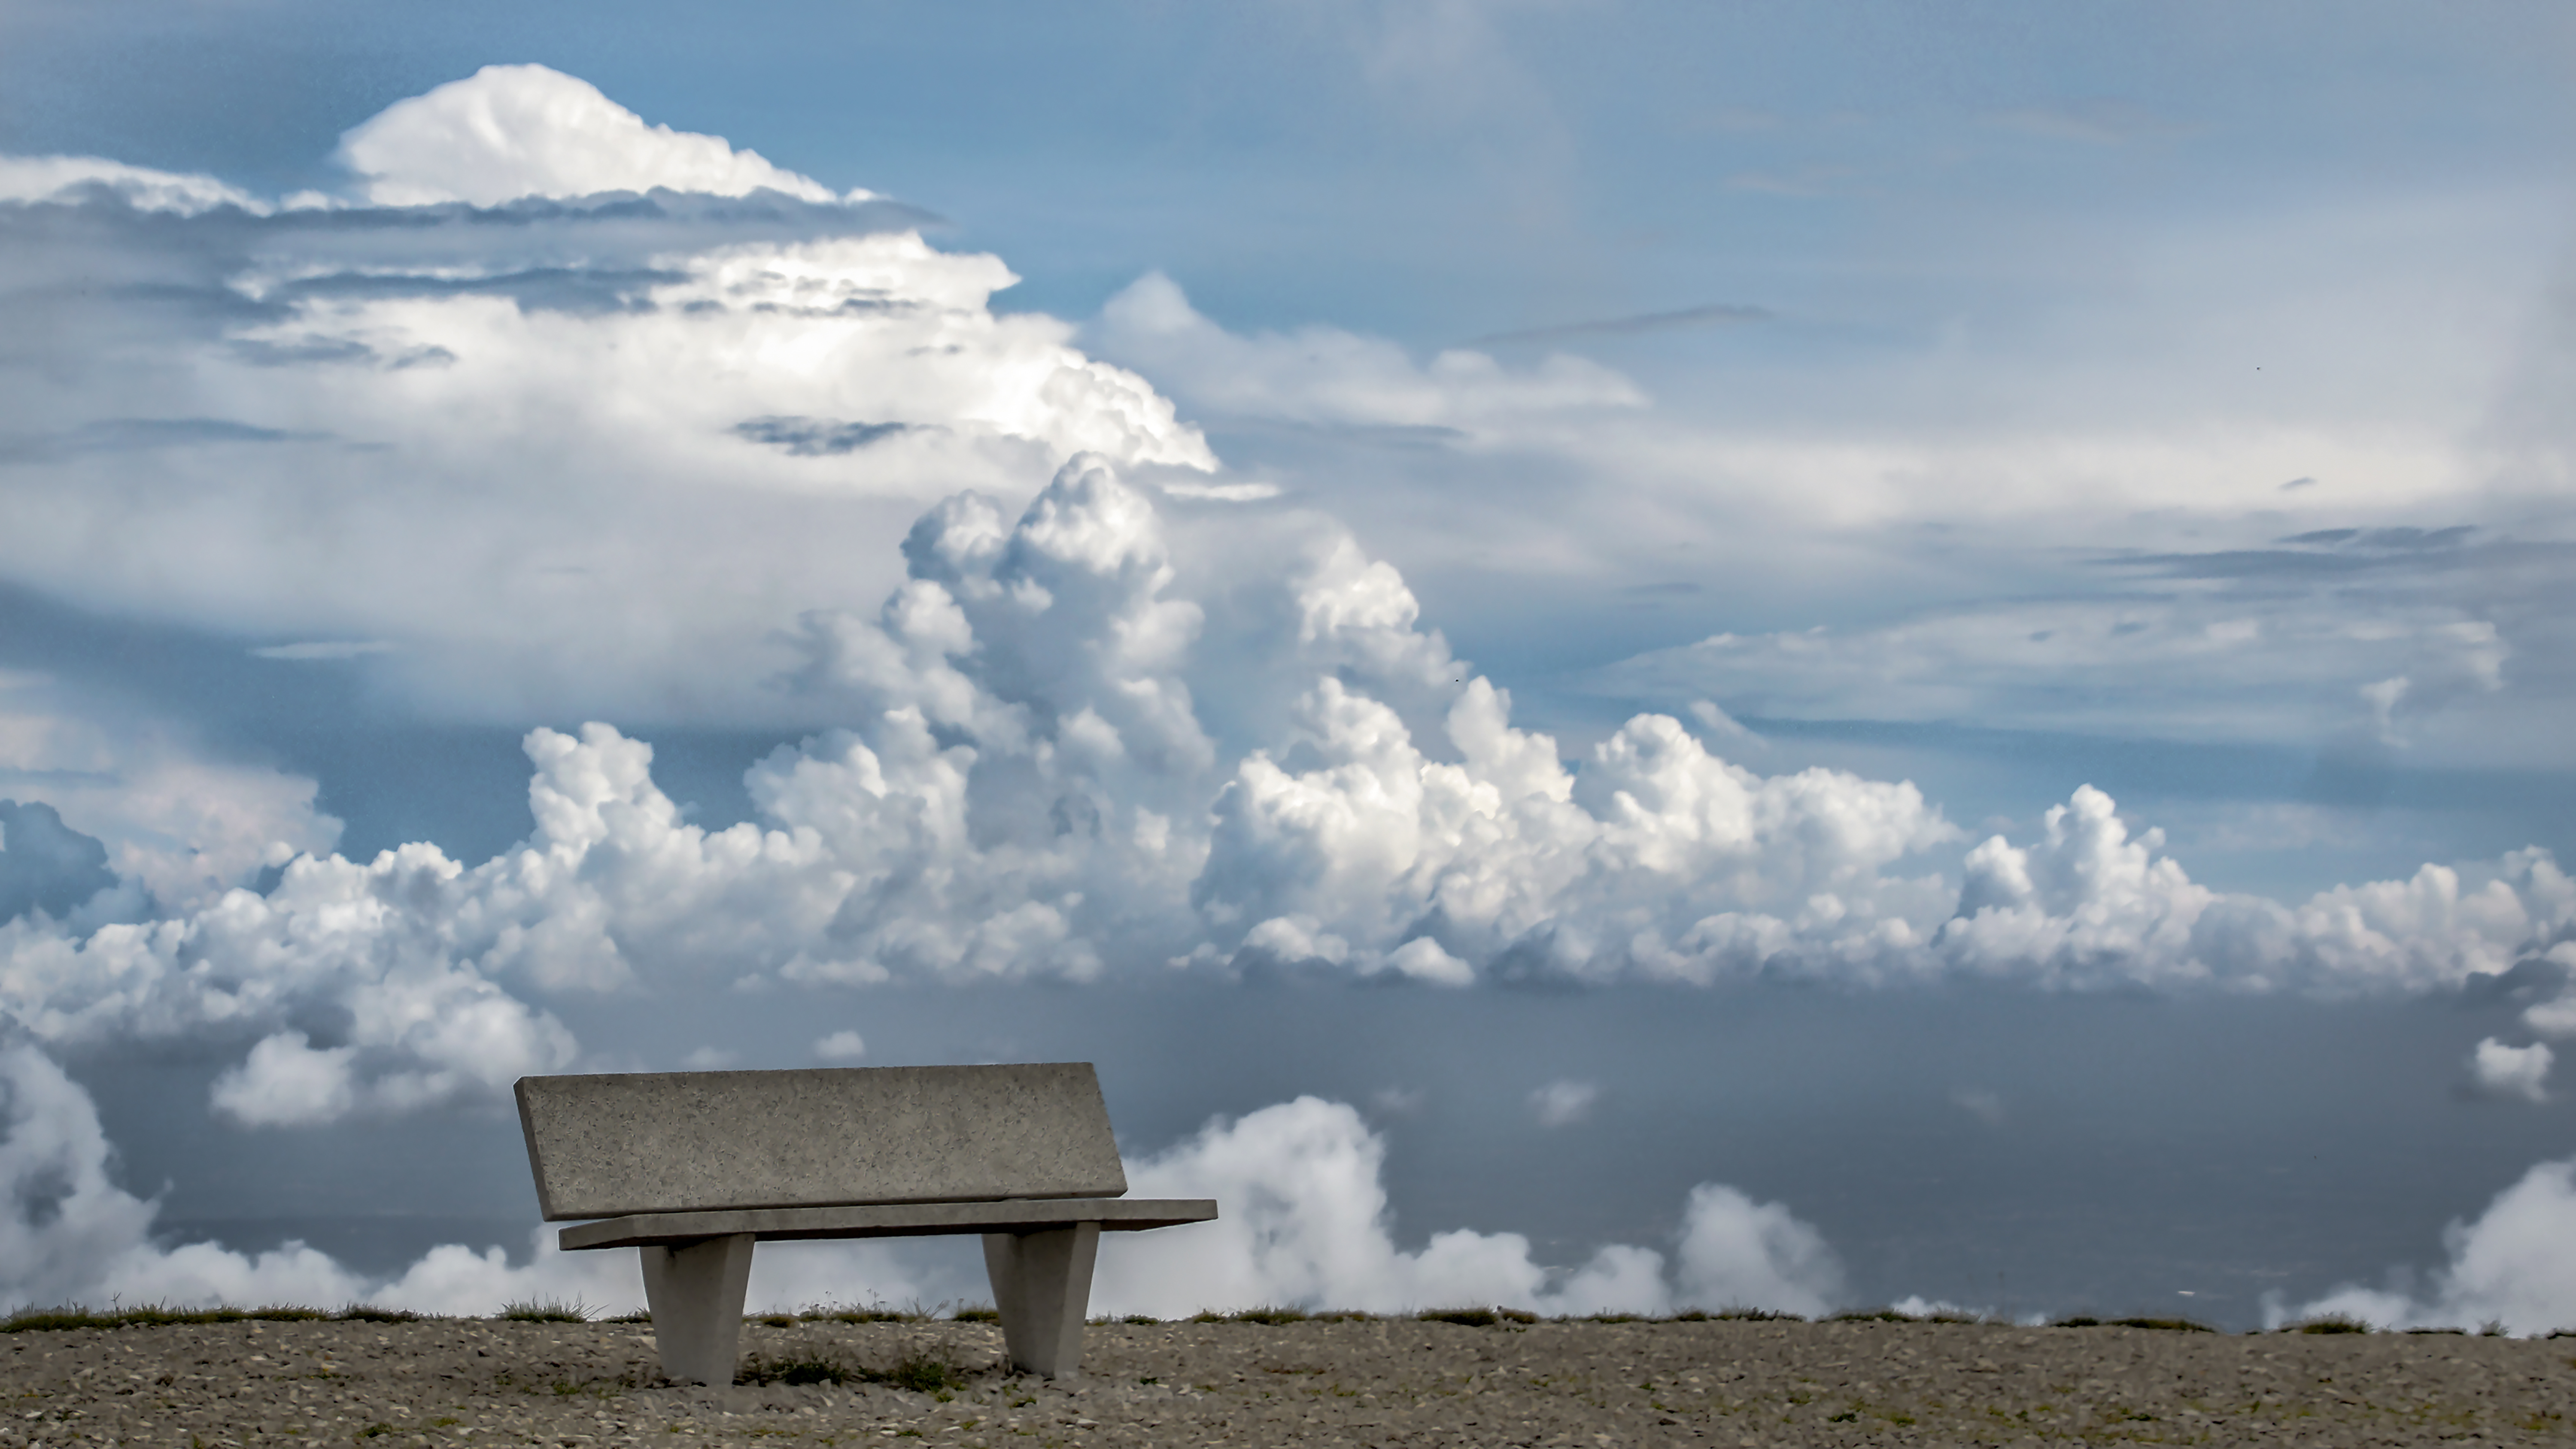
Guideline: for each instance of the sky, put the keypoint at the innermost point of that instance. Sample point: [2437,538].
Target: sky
[1608,658]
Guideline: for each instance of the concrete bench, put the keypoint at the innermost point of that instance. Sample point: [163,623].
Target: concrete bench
[693,1168]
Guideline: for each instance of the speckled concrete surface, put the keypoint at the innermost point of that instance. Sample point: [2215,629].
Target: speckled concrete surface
[473,1382]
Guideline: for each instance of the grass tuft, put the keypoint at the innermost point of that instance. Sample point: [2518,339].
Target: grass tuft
[2172,1325]
[370,1313]
[547,1310]
[1873,1315]
[1463,1317]
[2328,1323]
[925,1373]
[977,1313]
[799,1371]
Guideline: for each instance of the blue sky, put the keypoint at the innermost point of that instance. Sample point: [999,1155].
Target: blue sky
[1367,535]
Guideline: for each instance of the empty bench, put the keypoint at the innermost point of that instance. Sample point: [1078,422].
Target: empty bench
[693,1168]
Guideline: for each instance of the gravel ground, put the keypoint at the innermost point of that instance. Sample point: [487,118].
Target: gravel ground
[469,1382]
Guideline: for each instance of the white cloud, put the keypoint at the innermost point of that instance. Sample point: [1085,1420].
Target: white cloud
[509,131]
[1564,1103]
[2514,1265]
[1305,1222]
[841,1046]
[1737,1253]
[286,1082]
[1326,375]
[741,386]
[63,178]
[2510,1071]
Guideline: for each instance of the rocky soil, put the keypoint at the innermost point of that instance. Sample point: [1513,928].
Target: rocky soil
[467,1382]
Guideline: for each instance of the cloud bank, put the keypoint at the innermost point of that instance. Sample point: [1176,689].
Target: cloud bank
[1122,733]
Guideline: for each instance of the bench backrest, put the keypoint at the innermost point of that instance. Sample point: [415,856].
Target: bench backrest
[648,1142]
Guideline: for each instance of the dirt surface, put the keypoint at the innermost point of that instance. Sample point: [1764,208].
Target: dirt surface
[471,1382]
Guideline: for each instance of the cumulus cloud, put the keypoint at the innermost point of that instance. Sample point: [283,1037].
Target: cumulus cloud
[841,1046]
[509,131]
[1737,1253]
[2514,1265]
[2499,1070]
[1306,1222]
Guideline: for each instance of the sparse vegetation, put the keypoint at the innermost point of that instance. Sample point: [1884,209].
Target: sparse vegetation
[370,1313]
[977,1313]
[2328,1323]
[154,1315]
[920,1372]
[872,1312]
[1873,1315]
[1463,1317]
[1270,1315]
[547,1310]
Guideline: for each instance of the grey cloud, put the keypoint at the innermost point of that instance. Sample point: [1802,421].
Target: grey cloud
[815,437]
[1718,314]
[2346,552]
[130,435]
[44,864]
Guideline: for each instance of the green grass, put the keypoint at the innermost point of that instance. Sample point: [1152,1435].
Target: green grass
[547,1310]
[2328,1323]
[977,1313]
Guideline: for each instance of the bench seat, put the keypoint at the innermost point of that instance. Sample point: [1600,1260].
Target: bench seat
[694,1169]
[902,1220]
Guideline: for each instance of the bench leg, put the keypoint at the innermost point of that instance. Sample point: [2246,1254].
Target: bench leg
[1042,1285]
[695,1291]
